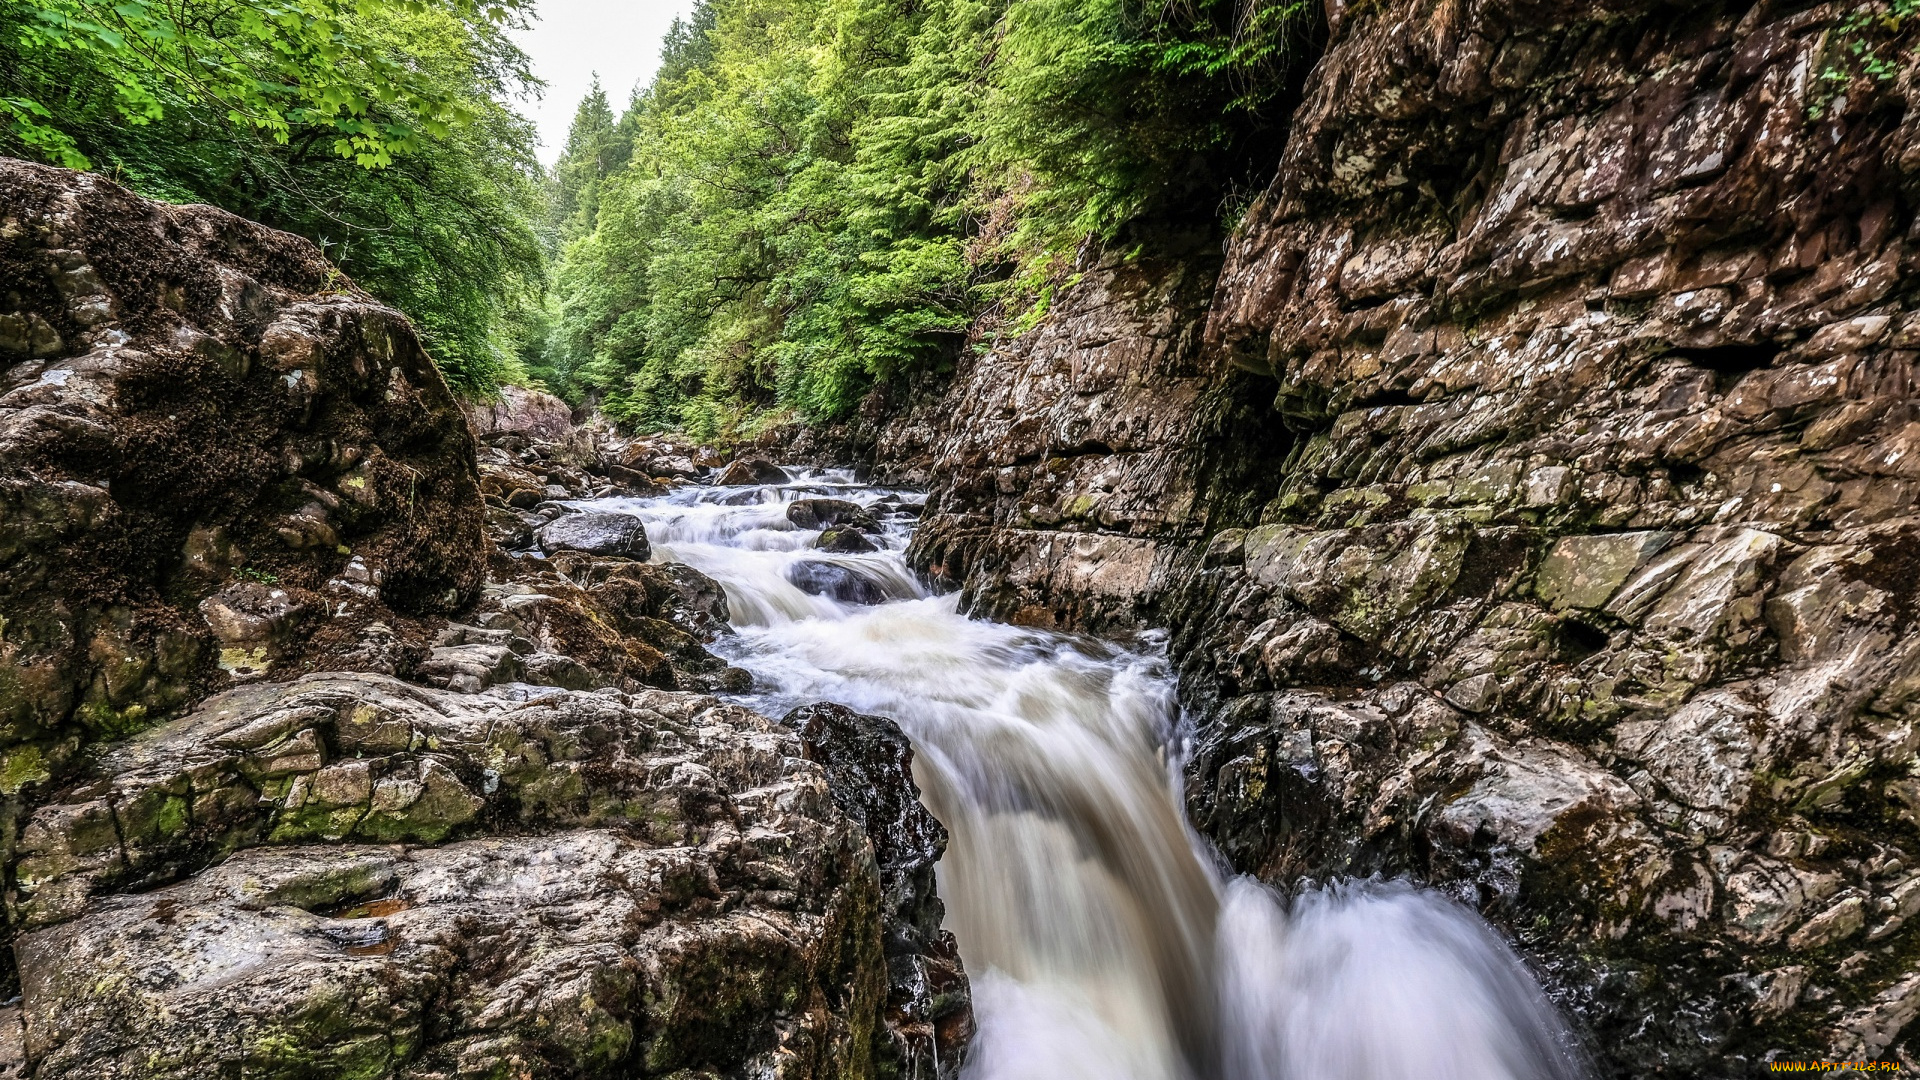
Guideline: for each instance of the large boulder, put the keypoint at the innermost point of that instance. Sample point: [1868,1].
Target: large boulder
[578,884]
[869,765]
[842,540]
[190,402]
[518,411]
[596,533]
[826,513]
[752,471]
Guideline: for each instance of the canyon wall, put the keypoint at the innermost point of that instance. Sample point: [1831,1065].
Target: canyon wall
[1530,497]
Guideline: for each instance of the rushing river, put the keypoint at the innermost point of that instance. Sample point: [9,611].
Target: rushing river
[1103,940]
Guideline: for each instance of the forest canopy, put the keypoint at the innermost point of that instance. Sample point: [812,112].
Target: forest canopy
[811,196]
[816,195]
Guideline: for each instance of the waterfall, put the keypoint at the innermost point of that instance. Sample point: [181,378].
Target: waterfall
[1103,940]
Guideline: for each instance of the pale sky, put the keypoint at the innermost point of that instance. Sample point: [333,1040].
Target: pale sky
[572,39]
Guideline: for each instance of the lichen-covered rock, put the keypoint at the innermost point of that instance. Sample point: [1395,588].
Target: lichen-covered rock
[610,884]
[202,427]
[844,541]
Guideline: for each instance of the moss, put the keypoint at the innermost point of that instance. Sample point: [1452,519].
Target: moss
[315,821]
[109,723]
[172,818]
[22,766]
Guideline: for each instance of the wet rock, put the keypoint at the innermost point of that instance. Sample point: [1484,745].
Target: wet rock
[1525,791]
[1585,571]
[509,530]
[673,592]
[597,533]
[869,765]
[835,582]
[827,513]
[844,541]
[751,471]
[215,396]
[1766,897]
[1606,443]
[628,624]
[681,889]
[1703,753]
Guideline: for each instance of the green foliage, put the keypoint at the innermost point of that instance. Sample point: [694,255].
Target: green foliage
[1865,43]
[815,195]
[378,128]
[274,65]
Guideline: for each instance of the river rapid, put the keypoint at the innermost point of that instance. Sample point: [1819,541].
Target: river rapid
[1103,938]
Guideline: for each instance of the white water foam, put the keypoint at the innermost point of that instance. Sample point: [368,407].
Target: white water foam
[1102,940]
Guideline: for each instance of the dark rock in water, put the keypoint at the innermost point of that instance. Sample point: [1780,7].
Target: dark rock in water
[826,513]
[510,531]
[597,533]
[869,766]
[844,541]
[752,471]
[835,582]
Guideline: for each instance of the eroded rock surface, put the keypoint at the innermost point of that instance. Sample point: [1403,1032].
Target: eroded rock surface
[869,765]
[706,907]
[1572,564]
[209,442]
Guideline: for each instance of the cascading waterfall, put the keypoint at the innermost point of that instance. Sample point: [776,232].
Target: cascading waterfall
[1102,938]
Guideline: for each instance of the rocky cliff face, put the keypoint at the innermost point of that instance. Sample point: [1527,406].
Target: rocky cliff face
[448,811]
[1572,564]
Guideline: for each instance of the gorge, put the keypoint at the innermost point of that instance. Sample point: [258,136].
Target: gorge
[1459,623]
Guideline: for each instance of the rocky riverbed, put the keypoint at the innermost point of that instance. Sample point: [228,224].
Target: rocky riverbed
[306,775]
[1525,490]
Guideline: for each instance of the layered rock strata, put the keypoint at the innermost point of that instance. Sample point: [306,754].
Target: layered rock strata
[1572,564]
[413,882]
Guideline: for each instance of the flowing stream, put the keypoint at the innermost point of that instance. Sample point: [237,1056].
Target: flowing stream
[1102,938]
